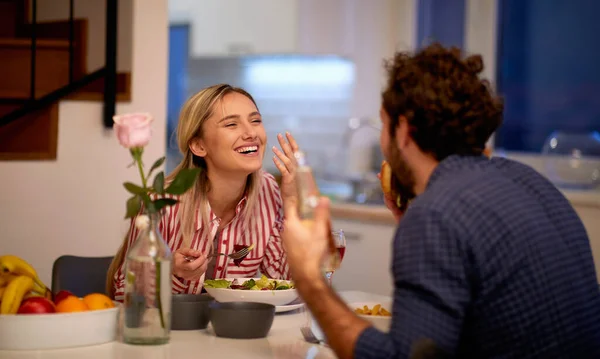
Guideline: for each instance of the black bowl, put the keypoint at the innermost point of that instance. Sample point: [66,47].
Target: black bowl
[190,311]
[241,320]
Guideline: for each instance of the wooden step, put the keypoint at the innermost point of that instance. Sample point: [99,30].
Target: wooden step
[52,67]
[32,137]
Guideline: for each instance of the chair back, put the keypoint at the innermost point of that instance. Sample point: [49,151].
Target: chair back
[80,275]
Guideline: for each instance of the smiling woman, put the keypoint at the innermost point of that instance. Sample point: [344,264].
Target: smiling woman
[234,202]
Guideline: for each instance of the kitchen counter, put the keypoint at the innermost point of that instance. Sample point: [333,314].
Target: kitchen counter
[362,212]
[380,214]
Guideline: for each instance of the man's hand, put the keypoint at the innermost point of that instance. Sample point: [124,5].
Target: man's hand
[306,245]
[305,242]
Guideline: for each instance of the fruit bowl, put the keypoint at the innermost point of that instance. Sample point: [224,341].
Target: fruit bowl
[58,330]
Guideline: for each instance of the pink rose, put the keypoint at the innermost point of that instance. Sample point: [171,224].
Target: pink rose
[133,130]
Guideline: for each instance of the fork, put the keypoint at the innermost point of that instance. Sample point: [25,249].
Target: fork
[235,255]
[309,336]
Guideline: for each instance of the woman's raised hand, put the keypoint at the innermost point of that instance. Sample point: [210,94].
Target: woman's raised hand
[286,163]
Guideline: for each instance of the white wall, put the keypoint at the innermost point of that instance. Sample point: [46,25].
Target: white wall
[75,205]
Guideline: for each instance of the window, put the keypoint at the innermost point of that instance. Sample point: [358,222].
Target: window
[548,70]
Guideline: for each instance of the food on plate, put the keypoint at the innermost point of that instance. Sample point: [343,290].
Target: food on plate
[36,305]
[377,310]
[239,247]
[263,283]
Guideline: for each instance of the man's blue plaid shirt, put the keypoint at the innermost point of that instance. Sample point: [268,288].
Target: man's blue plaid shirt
[491,261]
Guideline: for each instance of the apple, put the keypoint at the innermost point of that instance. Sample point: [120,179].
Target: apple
[62,295]
[36,305]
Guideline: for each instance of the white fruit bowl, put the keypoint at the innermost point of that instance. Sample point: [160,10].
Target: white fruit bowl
[274,297]
[58,330]
[380,322]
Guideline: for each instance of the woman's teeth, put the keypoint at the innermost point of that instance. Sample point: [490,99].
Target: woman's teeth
[247,149]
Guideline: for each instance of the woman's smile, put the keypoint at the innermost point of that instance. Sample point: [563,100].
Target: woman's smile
[248,150]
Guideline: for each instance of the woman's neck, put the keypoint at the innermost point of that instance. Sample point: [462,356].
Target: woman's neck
[225,193]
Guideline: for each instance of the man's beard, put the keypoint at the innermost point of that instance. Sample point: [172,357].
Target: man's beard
[403,179]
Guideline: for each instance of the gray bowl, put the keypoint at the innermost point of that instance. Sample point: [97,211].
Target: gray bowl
[190,311]
[241,320]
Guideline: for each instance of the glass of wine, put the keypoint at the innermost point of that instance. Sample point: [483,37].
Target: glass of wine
[334,261]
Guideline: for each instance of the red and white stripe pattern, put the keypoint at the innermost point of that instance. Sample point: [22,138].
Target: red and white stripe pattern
[267,255]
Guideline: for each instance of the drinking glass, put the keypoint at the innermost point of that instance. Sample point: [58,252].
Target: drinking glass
[334,261]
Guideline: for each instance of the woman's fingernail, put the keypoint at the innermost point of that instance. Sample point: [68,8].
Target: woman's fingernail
[279,135]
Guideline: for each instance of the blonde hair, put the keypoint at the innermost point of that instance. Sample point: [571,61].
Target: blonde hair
[194,113]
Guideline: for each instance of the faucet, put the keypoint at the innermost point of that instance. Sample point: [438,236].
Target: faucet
[365,187]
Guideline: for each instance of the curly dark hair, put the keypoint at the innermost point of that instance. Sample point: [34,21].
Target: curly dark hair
[449,109]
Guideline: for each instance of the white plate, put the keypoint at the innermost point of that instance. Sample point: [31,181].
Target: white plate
[288,308]
[274,297]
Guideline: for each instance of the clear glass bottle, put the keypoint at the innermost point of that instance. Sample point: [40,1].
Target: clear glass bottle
[308,198]
[147,302]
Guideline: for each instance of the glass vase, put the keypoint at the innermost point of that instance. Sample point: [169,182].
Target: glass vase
[147,302]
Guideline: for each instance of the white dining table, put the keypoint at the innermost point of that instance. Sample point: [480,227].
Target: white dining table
[284,341]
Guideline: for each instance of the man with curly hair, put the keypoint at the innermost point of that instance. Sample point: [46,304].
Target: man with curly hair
[490,260]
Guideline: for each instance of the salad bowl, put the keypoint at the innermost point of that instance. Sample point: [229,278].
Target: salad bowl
[257,290]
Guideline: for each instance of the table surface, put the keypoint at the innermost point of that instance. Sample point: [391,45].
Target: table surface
[283,341]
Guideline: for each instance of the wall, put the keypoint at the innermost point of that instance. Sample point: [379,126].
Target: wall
[75,205]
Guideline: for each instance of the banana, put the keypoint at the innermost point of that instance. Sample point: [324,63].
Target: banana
[6,278]
[14,293]
[11,264]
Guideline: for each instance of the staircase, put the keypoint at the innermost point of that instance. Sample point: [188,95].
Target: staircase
[29,95]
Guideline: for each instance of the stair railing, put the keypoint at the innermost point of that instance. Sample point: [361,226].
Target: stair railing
[108,72]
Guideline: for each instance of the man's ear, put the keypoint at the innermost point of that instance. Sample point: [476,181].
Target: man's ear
[402,133]
[197,147]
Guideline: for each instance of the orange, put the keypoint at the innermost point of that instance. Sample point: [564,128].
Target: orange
[71,304]
[97,301]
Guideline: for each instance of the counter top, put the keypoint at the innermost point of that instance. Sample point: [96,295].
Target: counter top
[381,215]
[362,212]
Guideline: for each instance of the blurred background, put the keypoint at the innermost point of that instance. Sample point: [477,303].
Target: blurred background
[315,68]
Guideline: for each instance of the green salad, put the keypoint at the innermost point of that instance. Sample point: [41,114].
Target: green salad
[263,283]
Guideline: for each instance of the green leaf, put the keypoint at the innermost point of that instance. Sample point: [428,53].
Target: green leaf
[156,164]
[163,202]
[148,203]
[133,188]
[133,206]
[159,183]
[183,181]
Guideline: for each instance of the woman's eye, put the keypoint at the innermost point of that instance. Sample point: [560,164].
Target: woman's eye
[230,125]
[257,120]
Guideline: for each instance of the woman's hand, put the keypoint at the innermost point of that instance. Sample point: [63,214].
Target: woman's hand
[390,203]
[286,164]
[189,270]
